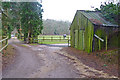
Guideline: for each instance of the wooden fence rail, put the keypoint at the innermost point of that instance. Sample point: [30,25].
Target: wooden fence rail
[51,38]
[42,39]
[6,43]
[55,38]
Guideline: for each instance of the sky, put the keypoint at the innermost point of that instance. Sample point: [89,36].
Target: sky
[66,9]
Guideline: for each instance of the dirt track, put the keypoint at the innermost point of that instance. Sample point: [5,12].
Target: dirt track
[42,61]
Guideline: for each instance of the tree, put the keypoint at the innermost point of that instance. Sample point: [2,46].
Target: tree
[56,27]
[6,20]
[110,11]
[10,17]
[31,19]
[15,12]
[25,16]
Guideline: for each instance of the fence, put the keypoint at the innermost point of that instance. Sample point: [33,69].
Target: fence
[6,43]
[61,39]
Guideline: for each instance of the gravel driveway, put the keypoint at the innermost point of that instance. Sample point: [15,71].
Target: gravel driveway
[42,61]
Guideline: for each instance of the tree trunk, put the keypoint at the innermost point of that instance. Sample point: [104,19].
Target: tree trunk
[25,37]
[29,36]
[36,39]
[9,35]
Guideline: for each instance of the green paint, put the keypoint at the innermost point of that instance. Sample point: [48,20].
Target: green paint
[83,38]
[114,40]
[88,37]
[76,38]
[106,42]
[99,45]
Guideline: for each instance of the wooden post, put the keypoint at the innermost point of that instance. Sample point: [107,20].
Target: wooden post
[106,42]
[51,38]
[68,37]
[99,45]
[83,40]
[43,38]
[68,43]
[6,43]
[60,38]
[41,41]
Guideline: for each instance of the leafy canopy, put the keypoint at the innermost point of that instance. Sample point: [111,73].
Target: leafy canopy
[110,11]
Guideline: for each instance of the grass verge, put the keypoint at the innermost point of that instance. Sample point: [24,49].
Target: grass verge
[52,42]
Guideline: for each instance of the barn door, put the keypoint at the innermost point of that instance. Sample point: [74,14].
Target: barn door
[76,38]
[81,40]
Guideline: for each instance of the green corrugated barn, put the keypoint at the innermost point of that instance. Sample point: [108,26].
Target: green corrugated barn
[89,31]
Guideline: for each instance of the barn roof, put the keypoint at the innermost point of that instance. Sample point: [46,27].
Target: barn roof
[96,18]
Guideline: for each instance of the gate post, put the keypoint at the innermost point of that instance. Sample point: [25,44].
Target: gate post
[68,42]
